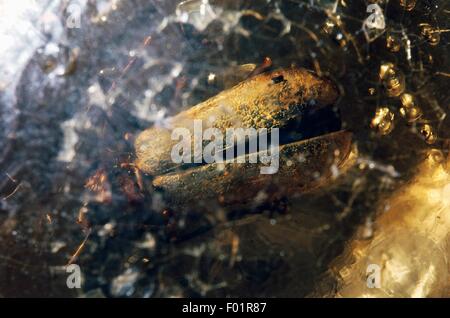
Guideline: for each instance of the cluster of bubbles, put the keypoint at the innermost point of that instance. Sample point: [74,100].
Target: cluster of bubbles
[392,79]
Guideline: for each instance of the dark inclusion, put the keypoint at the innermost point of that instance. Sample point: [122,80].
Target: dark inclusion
[278,79]
[312,122]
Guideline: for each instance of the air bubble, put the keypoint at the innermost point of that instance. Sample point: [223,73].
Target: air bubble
[383,122]
[393,79]
[393,43]
[428,134]
[408,4]
[409,110]
[430,34]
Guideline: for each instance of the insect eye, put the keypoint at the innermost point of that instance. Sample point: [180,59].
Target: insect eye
[278,79]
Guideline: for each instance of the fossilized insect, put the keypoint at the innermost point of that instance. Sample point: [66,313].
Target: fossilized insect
[313,148]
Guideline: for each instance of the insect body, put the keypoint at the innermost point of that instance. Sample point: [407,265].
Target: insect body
[295,102]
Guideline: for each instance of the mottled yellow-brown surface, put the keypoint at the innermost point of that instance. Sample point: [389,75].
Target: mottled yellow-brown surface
[268,100]
[242,184]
